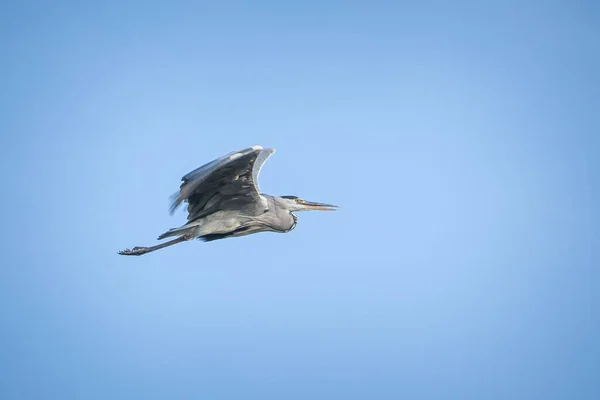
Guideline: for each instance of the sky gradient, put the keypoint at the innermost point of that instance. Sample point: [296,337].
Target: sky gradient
[460,140]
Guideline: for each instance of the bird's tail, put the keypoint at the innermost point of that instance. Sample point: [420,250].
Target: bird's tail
[182,230]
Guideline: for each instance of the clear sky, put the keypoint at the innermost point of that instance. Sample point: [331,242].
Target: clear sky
[461,141]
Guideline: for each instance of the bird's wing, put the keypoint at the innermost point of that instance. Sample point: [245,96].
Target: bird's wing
[228,182]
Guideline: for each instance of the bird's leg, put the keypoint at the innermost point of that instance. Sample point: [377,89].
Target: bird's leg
[138,251]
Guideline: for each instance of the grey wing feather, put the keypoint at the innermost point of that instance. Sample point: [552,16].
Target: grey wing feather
[262,158]
[228,182]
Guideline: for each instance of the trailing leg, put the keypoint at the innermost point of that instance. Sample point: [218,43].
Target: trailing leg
[138,251]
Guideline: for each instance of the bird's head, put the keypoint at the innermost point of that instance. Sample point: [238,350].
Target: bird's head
[294,203]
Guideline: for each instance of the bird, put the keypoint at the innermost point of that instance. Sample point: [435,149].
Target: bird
[224,201]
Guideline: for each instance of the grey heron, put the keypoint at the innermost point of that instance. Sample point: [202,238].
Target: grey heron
[224,200]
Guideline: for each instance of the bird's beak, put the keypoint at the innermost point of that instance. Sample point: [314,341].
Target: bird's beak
[311,205]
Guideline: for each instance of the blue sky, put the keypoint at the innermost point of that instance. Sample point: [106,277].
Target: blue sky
[460,140]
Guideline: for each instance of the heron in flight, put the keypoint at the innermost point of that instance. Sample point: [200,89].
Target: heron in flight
[224,200]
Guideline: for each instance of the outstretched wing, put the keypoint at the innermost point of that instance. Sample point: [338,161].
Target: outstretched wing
[229,182]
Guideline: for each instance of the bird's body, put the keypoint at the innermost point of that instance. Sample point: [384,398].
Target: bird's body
[224,201]
[233,223]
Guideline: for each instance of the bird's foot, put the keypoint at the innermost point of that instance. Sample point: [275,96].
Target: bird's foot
[136,251]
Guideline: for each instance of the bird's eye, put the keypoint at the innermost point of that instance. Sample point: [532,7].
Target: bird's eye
[298,200]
